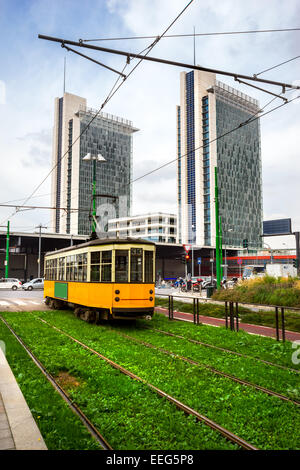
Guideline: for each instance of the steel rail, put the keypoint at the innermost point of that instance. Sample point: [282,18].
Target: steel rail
[219,348]
[212,424]
[128,54]
[87,423]
[168,333]
[212,369]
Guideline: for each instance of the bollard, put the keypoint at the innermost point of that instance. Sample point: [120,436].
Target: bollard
[277,323]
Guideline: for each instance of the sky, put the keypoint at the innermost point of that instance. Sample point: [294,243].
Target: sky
[31,76]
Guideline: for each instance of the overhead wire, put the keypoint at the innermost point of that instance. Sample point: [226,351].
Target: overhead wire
[219,33]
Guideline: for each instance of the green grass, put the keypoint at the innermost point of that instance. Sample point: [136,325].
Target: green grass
[262,317]
[60,428]
[265,421]
[128,413]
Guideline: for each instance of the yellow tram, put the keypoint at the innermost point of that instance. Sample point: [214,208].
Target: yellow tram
[102,279]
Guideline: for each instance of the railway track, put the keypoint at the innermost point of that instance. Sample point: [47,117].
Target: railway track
[84,419]
[246,356]
[212,424]
[212,369]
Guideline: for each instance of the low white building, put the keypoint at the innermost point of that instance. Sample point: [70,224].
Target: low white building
[157,227]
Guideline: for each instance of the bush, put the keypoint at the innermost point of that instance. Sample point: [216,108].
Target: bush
[264,290]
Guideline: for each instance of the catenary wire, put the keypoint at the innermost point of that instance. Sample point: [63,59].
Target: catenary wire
[192,34]
[278,65]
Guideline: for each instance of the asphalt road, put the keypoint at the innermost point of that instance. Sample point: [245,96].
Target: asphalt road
[21,300]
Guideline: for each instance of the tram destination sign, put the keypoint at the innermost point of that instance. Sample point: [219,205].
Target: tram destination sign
[277,227]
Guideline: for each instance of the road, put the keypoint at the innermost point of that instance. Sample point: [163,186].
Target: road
[21,300]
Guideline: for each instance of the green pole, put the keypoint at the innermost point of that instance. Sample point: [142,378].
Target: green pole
[217,230]
[7,252]
[221,253]
[94,197]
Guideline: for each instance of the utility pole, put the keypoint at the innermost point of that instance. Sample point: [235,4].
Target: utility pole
[40,243]
[7,251]
[218,274]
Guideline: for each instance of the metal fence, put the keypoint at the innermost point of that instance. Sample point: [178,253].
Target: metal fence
[231,312]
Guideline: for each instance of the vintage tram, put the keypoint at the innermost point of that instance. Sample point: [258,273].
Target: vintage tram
[102,279]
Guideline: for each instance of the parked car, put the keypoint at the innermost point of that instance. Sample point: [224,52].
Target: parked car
[10,283]
[37,283]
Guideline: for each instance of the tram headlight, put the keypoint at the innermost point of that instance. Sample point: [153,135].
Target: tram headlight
[151,291]
[117,291]
[117,299]
[151,298]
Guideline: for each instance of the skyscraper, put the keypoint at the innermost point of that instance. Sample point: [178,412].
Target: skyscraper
[208,109]
[108,135]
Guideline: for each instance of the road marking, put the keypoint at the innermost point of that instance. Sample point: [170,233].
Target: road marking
[19,302]
[2,302]
[35,303]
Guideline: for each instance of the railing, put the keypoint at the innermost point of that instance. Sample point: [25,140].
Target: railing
[231,314]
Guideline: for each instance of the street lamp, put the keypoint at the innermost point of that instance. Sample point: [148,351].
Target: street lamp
[95,159]
[271,252]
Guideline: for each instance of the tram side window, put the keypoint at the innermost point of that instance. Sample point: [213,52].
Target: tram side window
[106,260]
[81,263]
[51,265]
[136,265]
[121,271]
[61,269]
[148,266]
[95,266]
[101,266]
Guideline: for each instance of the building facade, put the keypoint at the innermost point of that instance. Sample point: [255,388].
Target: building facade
[208,111]
[108,135]
[156,227]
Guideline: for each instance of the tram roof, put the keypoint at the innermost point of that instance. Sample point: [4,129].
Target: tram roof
[103,241]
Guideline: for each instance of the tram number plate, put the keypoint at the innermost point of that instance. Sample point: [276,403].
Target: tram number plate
[61,290]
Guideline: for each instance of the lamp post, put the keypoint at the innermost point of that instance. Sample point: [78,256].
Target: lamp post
[95,159]
[271,252]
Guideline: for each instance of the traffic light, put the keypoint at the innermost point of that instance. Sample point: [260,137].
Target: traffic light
[187,257]
[295,263]
[245,243]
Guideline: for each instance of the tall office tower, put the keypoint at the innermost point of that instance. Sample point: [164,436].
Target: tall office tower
[72,177]
[208,109]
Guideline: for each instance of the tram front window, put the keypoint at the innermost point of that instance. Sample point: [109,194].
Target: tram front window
[121,273]
[136,265]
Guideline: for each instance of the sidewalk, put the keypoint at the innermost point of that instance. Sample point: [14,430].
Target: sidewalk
[18,430]
[250,328]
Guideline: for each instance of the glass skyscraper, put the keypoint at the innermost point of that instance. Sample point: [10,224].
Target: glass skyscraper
[208,110]
[108,135]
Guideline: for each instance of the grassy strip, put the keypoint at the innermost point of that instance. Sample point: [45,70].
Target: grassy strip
[265,290]
[265,421]
[262,317]
[133,416]
[279,380]
[242,342]
[60,428]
